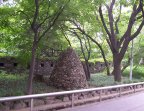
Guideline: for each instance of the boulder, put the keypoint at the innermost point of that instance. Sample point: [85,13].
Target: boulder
[19,105]
[66,98]
[38,102]
[68,73]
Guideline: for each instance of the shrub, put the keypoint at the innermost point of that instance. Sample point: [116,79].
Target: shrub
[138,72]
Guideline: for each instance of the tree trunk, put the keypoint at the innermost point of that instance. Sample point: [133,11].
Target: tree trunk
[32,67]
[107,65]
[117,68]
[103,55]
[87,71]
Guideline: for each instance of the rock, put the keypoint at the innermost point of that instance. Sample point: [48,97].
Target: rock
[138,86]
[19,105]
[65,99]
[49,101]
[4,108]
[93,93]
[89,95]
[57,101]
[76,97]
[80,97]
[107,92]
[68,73]
[38,102]
[9,104]
[50,98]
[84,95]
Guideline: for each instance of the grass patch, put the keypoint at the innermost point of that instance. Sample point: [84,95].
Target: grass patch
[15,85]
[101,79]
[11,85]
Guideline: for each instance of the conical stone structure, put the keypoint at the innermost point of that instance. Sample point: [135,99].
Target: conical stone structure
[68,72]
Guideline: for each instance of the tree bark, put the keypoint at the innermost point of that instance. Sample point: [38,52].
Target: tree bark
[32,66]
[86,70]
[117,68]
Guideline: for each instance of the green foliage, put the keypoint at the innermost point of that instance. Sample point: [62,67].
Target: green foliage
[101,79]
[138,72]
[14,85]
[11,84]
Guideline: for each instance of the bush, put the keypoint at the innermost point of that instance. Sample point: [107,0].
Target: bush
[101,79]
[15,85]
[138,72]
[12,85]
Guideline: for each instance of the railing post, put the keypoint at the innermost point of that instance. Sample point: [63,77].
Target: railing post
[31,104]
[72,100]
[134,88]
[120,92]
[100,96]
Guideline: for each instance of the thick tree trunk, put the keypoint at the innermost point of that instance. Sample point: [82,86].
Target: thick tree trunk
[117,72]
[117,68]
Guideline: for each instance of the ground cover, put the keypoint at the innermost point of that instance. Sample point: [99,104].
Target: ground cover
[15,84]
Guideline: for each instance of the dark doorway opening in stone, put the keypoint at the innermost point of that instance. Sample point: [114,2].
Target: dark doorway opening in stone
[15,64]
[1,64]
[42,64]
[51,65]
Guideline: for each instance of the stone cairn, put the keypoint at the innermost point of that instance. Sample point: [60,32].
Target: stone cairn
[68,73]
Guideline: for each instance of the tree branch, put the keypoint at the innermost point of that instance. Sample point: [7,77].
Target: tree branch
[131,23]
[100,47]
[138,31]
[27,17]
[111,19]
[103,22]
[118,19]
[34,25]
[66,37]
[141,5]
[53,20]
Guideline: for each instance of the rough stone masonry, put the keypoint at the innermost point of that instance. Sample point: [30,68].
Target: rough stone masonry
[68,72]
